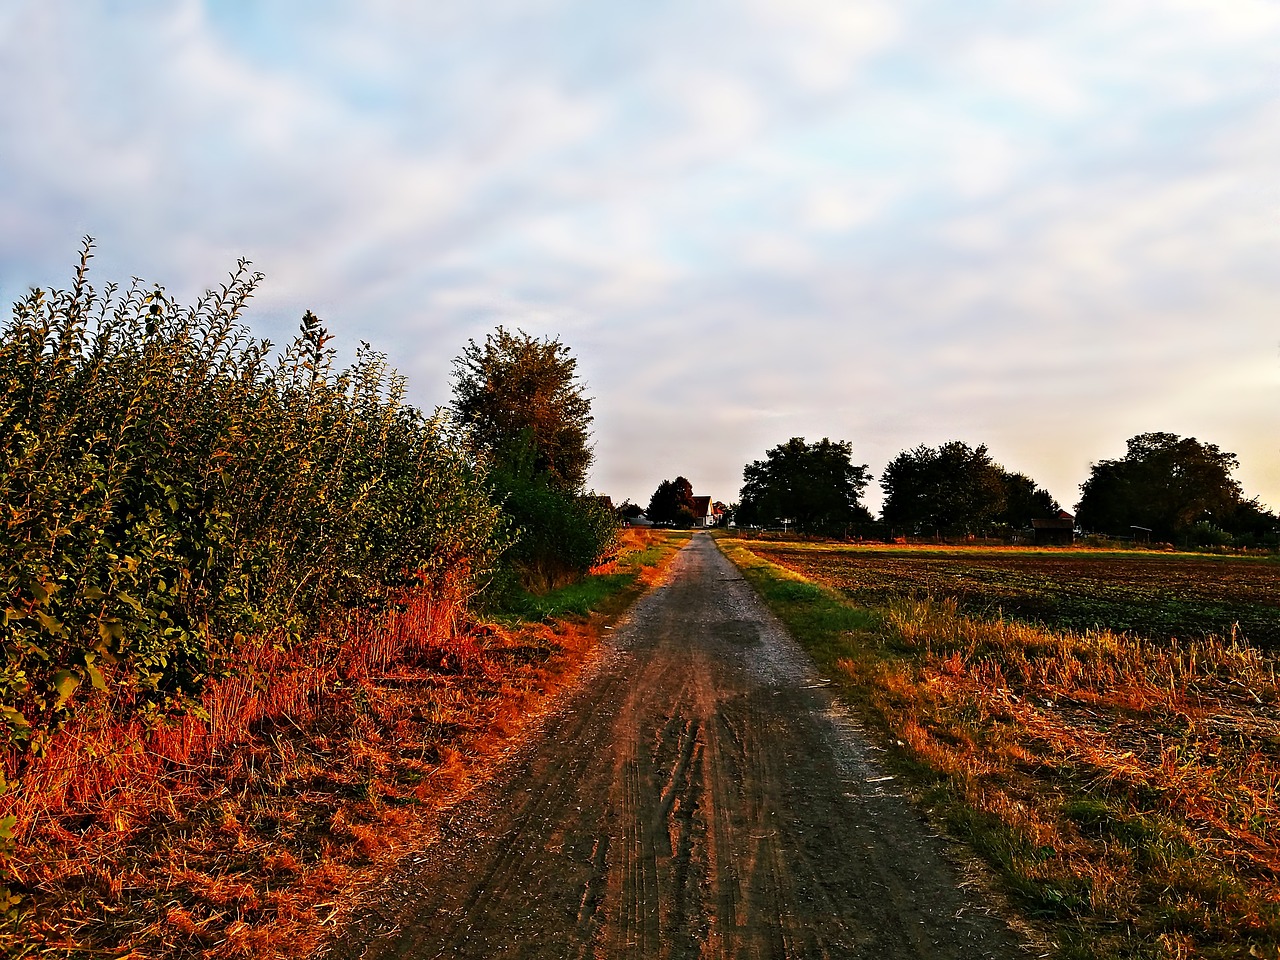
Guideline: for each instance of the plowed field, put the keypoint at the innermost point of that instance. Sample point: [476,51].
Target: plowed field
[1152,595]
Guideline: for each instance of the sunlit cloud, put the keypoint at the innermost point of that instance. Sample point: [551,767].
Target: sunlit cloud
[1042,227]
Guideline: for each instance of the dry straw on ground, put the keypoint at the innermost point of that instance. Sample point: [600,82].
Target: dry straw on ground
[1126,788]
[250,834]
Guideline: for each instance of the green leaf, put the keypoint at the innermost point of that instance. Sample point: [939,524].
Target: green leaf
[14,718]
[8,900]
[51,624]
[92,594]
[95,677]
[64,684]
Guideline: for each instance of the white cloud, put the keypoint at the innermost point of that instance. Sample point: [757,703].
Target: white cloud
[1030,72]
[825,43]
[842,209]
[888,223]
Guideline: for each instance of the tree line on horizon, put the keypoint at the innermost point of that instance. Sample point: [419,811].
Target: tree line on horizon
[1165,487]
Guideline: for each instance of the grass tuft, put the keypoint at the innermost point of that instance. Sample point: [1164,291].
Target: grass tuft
[609,587]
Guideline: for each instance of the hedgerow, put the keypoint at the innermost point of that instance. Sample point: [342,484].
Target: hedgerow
[171,490]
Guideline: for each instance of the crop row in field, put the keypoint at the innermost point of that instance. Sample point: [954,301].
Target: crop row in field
[1151,595]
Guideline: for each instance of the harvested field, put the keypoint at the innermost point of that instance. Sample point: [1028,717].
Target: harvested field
[1151,594]
[1126,787]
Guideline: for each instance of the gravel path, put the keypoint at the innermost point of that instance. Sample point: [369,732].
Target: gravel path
[698,794]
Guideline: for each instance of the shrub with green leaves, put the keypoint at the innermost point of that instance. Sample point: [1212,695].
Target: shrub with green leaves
[168,485]
[559,535]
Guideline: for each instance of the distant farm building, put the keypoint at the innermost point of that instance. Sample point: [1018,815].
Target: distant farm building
[702,515]
[1054,531]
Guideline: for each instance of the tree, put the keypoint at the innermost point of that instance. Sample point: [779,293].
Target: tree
[515,389]
[672,503]
[629,511]
[1253,524]
[949,486]
[816,485]
[559,535]
[955,485]
[1164,482]
[1024,501]
[522,405]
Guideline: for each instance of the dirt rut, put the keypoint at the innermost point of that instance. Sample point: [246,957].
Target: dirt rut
[699,794]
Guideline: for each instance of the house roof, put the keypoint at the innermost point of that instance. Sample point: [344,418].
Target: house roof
[701,507]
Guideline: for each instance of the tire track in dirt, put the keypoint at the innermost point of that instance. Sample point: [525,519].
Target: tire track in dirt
[698,795]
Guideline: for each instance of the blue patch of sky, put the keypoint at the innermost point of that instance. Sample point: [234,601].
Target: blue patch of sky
[264,33]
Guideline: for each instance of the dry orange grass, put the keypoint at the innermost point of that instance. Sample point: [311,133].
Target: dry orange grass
[644,548]
[1127,784]
[1128,790]
[250,833]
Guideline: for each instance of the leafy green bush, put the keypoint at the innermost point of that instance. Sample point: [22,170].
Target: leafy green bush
[167,486]
[559,535]
[1206,534]
[524,411]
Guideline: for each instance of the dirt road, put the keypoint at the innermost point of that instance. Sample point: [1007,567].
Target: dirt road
[698,795]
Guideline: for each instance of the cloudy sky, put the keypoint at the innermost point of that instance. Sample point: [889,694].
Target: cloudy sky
[1043,226]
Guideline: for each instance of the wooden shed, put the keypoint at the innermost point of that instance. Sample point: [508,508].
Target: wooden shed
[1059,530]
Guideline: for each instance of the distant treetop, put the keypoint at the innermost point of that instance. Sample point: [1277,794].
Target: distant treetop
[516,391]
[672,502]
[955,485]
[1164,483]
[816,486]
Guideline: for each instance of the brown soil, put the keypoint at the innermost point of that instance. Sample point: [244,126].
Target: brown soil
[698,794]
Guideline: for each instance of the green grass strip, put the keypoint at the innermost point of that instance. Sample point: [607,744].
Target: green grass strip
[576,599]
[605,593]
[827,625]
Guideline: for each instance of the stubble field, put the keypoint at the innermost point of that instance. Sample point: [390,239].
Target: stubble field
[1153,595]
[1096,725]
